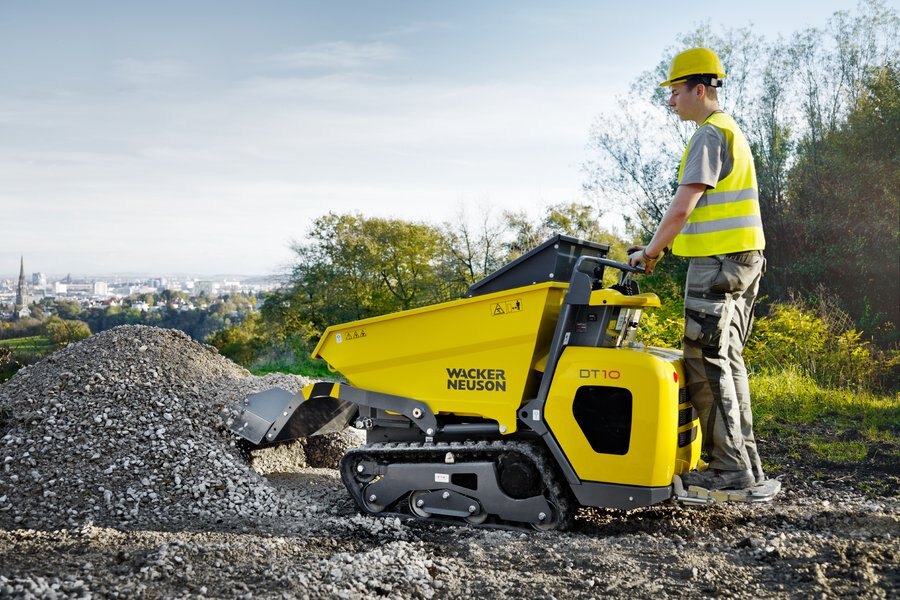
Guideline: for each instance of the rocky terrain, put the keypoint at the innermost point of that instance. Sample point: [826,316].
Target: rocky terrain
[120,479]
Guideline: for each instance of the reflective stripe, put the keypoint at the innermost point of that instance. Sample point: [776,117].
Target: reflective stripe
[711,197]
[722,225]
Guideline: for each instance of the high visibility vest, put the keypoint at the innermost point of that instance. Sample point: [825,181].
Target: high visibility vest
[727,218]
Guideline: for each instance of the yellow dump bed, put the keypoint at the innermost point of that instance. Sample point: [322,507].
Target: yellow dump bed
[470,357]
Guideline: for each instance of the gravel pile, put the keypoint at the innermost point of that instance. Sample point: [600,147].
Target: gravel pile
[128,428]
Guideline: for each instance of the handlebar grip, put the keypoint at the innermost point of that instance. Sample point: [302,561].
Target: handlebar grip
[606,263]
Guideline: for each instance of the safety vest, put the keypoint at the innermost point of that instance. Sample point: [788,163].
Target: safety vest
[726,218]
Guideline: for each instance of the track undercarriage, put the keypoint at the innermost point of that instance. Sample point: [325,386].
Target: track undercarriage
[499,484]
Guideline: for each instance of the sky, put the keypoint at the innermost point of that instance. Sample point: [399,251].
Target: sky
[204,137]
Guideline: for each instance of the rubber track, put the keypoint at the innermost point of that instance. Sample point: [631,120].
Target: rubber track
[421,452]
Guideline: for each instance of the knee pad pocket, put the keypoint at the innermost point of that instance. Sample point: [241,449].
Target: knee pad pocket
[702,328]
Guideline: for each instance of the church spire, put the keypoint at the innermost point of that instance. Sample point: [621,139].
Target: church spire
[22,288]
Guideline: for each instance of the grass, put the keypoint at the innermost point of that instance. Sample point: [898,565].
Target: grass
[22,351]
[790,396]
[35,343]
[304,365]
[837,425]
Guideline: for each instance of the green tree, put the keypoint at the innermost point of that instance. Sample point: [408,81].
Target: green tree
[62,332]
[845,198]
[354,267]
[242,343]
[68,309]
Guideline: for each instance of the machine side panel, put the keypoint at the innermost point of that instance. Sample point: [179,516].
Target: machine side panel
[614,412]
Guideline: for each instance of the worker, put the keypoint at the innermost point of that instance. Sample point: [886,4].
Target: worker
[714,219]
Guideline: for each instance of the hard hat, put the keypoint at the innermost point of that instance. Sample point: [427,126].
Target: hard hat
[696,61]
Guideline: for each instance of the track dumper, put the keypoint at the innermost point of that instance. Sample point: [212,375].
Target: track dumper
[510,407]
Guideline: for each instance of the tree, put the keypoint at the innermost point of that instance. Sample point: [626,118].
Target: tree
[242,343]
[63,332]
[844,195]
[68,309]
[354,267]
[469,252]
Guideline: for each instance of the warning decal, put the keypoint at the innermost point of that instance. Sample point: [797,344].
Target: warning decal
[506,308]
[353,334]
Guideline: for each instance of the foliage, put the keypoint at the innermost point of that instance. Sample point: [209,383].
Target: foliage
[663,326]
[62,332]
[21,328]
[845,200]
[243,342]
[821,343]
[352,268]
[8,363]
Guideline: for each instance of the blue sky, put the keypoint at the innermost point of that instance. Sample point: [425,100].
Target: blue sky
[203,137]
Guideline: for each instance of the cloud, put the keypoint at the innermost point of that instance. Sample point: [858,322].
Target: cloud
[149,72]
[337,55]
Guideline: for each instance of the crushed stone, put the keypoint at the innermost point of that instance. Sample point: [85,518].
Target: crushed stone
[128,428]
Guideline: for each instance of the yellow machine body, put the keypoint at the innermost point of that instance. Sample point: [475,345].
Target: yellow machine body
[470,357]
[618,413]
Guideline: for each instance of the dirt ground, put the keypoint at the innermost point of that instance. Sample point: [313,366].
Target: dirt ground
[820,538]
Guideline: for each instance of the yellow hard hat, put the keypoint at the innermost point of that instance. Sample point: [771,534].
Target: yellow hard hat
[696,61]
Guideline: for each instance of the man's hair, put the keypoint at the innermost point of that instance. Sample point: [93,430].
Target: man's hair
[711,91]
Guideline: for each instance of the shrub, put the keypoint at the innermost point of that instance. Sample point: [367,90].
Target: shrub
[63,332]
[821,342]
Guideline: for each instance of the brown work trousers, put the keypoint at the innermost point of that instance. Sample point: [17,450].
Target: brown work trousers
[718,315]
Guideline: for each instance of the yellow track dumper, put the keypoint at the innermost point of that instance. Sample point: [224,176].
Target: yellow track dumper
[512,406]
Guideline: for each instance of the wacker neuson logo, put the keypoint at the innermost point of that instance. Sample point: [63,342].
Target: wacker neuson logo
[476,380]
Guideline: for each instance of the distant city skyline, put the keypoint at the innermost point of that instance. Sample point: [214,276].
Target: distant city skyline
[204,137]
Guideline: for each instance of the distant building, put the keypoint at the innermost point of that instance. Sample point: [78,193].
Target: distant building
[205,286]
[39,279]
[101,288]
[21,306]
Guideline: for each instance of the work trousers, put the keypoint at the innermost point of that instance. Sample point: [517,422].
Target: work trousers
[718,315]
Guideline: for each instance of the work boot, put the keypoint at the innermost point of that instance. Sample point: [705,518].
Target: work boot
[715,479]
[759,475]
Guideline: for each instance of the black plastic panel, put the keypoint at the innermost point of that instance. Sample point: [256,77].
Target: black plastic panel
[604,415]
[553,260]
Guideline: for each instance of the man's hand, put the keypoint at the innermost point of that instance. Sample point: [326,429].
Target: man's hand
[637,255]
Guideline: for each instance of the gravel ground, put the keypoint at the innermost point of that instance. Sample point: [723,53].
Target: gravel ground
[119,479]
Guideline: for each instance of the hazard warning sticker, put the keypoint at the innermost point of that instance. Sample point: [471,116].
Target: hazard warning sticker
[353,334]
[507,307]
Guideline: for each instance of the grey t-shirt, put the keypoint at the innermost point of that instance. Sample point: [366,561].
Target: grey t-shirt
[708,159]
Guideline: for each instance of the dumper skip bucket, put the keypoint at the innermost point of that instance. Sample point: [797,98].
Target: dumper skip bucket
[472,357]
